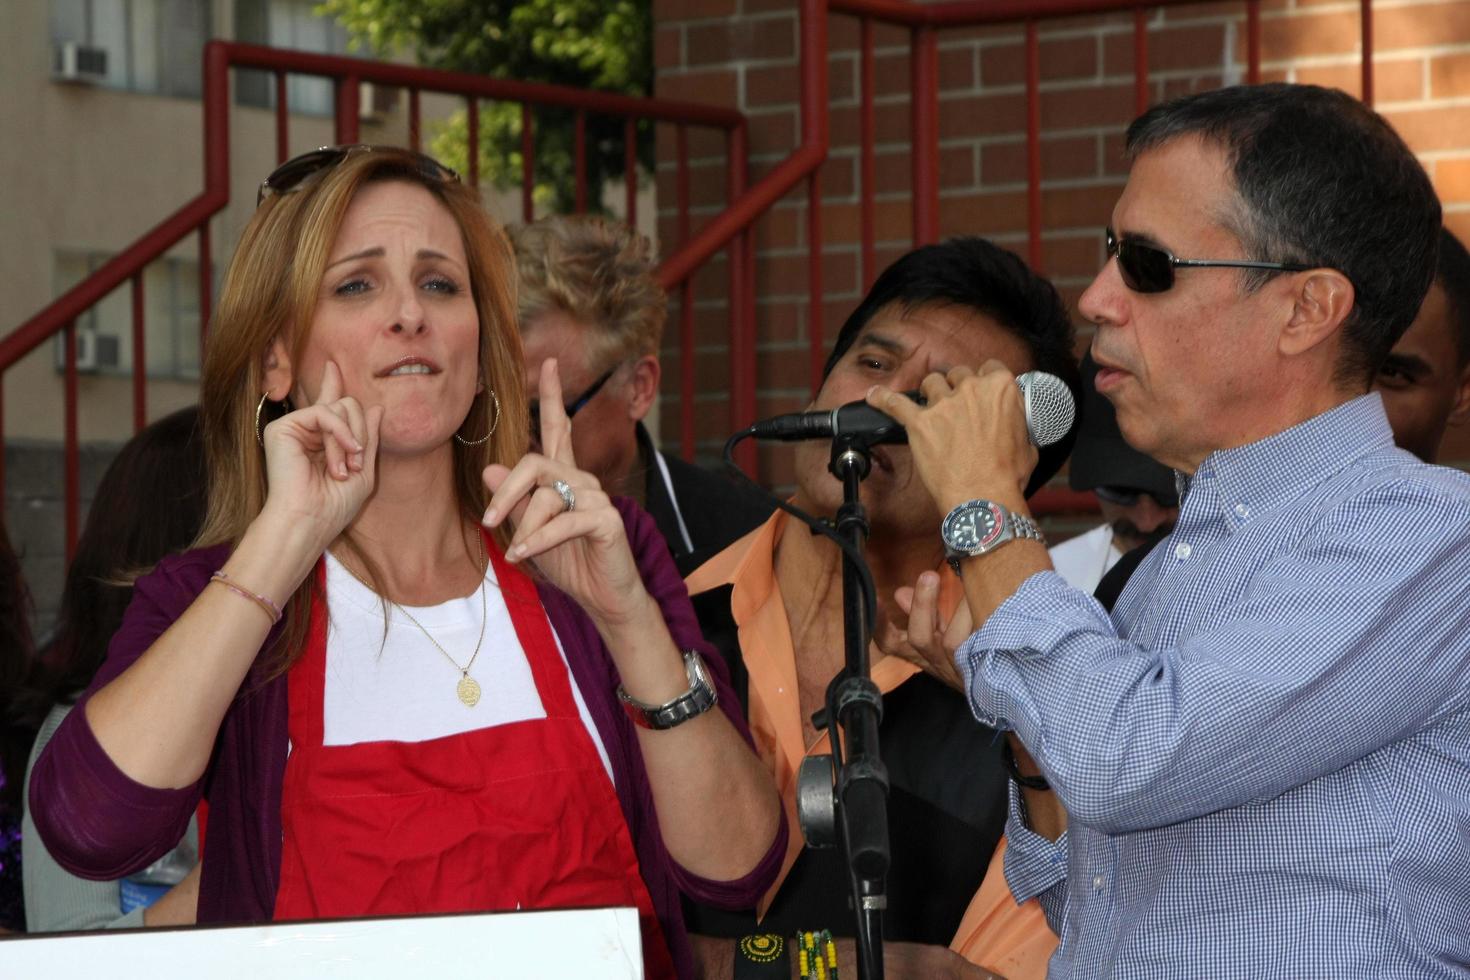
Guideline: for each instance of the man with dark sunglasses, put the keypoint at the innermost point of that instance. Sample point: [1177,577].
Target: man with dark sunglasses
[1264,752]
[588,297]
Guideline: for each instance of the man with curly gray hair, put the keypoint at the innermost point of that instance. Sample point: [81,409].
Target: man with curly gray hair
[588,297]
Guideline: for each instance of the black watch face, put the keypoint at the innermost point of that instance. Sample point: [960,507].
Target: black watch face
[974,528]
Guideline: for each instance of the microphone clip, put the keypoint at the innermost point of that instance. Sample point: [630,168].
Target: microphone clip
[852,452]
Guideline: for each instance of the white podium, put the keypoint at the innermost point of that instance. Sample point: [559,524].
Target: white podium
[592,943]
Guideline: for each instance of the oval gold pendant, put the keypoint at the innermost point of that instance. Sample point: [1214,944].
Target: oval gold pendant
[468,690]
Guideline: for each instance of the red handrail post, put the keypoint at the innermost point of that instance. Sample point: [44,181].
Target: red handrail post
[814,279]
[630,172]
[528,165]
[1140,60]
[580,152]
[71,453]
[472,140]
[742,337]
[348,114]
[924,67]
[686,300]
[868,159]
[1367,24]
[415,123]
[206,286]
[140,358]
[1033,146]
[217,123]
[283,119]
[1253,41]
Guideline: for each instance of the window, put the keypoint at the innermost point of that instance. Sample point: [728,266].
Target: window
[170,318]
[287,24]
[153,46]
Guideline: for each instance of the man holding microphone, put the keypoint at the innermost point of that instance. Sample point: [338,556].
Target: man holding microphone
[1264,754]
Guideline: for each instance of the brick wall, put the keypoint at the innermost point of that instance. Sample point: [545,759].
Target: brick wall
[744,53]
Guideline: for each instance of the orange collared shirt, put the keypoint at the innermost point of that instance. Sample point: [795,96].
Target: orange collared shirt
[995,933]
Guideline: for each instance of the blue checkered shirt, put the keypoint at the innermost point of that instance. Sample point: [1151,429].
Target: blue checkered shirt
[1265,753]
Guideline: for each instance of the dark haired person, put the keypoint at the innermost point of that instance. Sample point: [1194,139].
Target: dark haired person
[16,731]
[1424,383]
[1425,380]
[149,504]
[1264,754]
[772,604]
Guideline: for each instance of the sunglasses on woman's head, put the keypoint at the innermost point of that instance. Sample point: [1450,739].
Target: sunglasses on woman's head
[293,174]
[1149,269]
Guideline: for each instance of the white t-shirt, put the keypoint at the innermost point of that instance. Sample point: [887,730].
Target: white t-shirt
[404,689]
[1085,559]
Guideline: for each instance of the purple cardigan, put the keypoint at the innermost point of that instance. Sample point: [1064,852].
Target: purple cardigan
[100,824]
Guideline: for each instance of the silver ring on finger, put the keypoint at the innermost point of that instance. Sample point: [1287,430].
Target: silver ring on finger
[568,495]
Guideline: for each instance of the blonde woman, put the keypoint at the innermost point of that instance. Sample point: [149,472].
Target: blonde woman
[405,660]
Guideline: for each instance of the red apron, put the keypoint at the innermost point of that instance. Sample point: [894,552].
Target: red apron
[521,815]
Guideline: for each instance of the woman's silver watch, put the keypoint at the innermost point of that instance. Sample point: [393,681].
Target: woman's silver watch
[694,702]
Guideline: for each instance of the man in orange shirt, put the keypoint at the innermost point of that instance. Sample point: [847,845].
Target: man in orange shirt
[772,602]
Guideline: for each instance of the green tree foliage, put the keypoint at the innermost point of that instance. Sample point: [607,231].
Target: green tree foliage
[597,44]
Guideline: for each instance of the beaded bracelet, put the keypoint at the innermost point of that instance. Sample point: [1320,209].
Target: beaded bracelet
[269,608]
[817,956]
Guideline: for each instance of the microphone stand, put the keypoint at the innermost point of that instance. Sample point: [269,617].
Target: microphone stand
[854,703]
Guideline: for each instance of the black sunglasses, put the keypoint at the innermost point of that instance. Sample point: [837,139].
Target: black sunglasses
[291,175]
[576,404]
[1128,496]
[1150,269]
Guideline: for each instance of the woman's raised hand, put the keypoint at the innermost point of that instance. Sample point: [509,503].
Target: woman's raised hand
[321,461]
[583,550]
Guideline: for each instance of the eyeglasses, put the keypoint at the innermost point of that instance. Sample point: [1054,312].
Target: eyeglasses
[1128,496]
[1150,269]
[291,175]
[576,404]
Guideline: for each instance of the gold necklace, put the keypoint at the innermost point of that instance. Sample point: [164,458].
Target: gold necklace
[468,688]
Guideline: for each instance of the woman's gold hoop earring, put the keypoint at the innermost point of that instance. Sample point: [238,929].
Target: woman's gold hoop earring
[259,431]
[493,425]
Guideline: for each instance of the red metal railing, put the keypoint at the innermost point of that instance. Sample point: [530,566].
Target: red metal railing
[194,217]
[924,21]
[732,227]
[728,231]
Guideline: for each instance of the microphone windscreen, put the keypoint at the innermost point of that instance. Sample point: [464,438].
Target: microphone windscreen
[1050,408]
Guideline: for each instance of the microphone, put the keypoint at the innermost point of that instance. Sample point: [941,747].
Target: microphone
[1050,412]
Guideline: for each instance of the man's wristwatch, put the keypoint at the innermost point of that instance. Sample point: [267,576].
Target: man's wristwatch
[978,526]
[694,702]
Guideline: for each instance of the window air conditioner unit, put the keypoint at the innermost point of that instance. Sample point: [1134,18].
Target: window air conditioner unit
[79,63]
[96,352]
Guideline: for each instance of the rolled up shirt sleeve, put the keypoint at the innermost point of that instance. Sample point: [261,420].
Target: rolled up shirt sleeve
[1035,867]
[1133,738]
[95,820]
